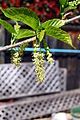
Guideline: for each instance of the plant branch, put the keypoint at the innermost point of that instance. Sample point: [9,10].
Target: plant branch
[65,15]
[31,39]
[74,18]
[17,44]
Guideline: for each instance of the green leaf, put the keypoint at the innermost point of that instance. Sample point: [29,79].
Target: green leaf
[72,5]
[59,34]
[23,15]
[69,8]
[7,26]
[54,22]
[62,2]
[40,35]
[24,33]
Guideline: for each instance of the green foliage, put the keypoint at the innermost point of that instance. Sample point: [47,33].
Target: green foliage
[72,5]
[54,22]
[24,33]
[66,5]
[63,5]
[63,2]
[59,34]
[50,27]
[23,15]
[7,26]
[40,30]
[40,34]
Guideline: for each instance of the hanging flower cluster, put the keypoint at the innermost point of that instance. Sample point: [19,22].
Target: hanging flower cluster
[39,61]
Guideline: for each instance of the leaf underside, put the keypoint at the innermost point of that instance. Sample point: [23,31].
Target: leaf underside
[24,33]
